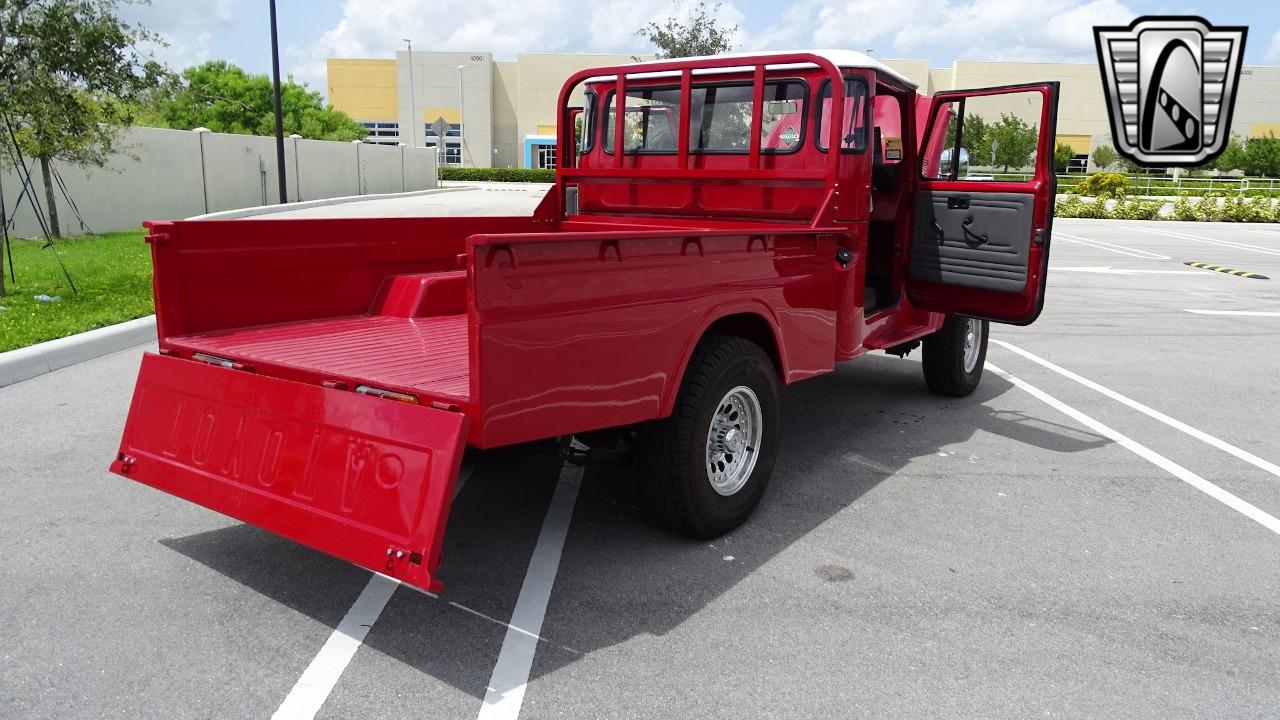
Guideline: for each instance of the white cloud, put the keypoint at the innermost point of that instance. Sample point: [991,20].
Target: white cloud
[1051,30]
[189,34]
[1273,51]
[375,28]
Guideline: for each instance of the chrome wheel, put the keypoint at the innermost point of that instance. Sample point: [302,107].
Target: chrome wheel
[733,440]
[972,343]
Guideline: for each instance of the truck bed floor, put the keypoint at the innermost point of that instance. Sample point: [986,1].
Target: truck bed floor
[427,354]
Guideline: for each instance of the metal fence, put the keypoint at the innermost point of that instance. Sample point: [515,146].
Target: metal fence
[1144,184]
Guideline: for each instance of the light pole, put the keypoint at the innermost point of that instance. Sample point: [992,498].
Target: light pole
[462,109]
[275,78]
[413,110]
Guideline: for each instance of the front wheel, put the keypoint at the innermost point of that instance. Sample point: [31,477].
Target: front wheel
[954,356]
[704,469]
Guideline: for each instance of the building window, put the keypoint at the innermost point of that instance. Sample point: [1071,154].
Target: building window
[382,132]
[544,156]
[452,151]
[455,130]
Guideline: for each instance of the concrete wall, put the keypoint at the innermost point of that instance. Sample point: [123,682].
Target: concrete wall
[166,174]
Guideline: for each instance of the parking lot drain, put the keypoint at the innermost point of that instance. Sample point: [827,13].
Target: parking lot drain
[1227,270]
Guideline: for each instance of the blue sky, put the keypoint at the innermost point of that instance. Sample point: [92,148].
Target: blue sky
[939,30]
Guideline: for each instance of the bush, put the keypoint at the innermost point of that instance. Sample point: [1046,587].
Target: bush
[1136,210]
[465,174]
[1240,209]
[1183,208]
[1207,209]
[1105,185]
[1075,207]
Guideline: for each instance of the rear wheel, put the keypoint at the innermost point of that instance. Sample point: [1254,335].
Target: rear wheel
[954,356]
[704,469]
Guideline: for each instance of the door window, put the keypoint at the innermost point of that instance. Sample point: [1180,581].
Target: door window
[987,137]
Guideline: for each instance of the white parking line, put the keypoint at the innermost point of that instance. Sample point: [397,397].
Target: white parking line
[1212,241]
[1245,313]
[1178,425]
[1272,233]
[320,677]
[1113,247]
[1243,507]
[505,694]
[312,689]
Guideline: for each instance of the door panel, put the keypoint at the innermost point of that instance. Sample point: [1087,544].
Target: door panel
[980,236]
[980,241]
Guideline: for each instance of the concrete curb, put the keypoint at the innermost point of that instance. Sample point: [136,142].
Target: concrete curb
[34,360]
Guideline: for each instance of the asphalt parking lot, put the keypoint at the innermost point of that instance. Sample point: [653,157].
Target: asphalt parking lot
[1092,534]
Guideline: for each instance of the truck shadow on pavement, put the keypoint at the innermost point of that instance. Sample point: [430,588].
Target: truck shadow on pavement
[621,576]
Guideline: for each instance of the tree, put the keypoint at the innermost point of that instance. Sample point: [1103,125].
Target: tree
[1015,141]
[1063,154]
[1262,156]
[977,139]
[224,98]
[701,35]
[70,72]
[1233,155]
[1104,156]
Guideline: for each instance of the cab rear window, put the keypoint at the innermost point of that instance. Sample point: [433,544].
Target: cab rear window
[722,117]
[650,121]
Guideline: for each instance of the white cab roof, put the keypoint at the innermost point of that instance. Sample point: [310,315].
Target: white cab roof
[839,58]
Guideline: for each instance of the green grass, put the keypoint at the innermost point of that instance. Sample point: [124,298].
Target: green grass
[112,273]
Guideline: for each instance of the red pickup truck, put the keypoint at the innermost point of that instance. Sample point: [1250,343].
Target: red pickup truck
[744,222]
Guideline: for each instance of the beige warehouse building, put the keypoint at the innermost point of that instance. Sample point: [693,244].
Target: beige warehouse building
[502,113]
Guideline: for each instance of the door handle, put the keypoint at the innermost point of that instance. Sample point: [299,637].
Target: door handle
[969,235]
[939,231]
[958,202]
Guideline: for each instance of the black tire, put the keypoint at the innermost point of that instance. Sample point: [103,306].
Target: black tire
[945,370]
[675,474]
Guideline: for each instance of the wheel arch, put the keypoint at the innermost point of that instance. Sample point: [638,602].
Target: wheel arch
[753,323]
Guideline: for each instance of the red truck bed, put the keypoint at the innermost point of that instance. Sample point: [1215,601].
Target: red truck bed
[427,354]
[497,331]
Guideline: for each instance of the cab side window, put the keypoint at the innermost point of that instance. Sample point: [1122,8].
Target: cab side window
[854,120]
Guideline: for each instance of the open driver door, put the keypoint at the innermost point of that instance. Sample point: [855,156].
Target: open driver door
[980,246]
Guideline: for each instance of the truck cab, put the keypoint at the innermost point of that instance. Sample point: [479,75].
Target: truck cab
[749,137]
[719,228]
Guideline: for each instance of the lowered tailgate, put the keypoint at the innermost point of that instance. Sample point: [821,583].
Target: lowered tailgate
[365,479]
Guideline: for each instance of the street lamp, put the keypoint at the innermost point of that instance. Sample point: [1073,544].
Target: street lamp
[413,110]
[462,108]
[275,93]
